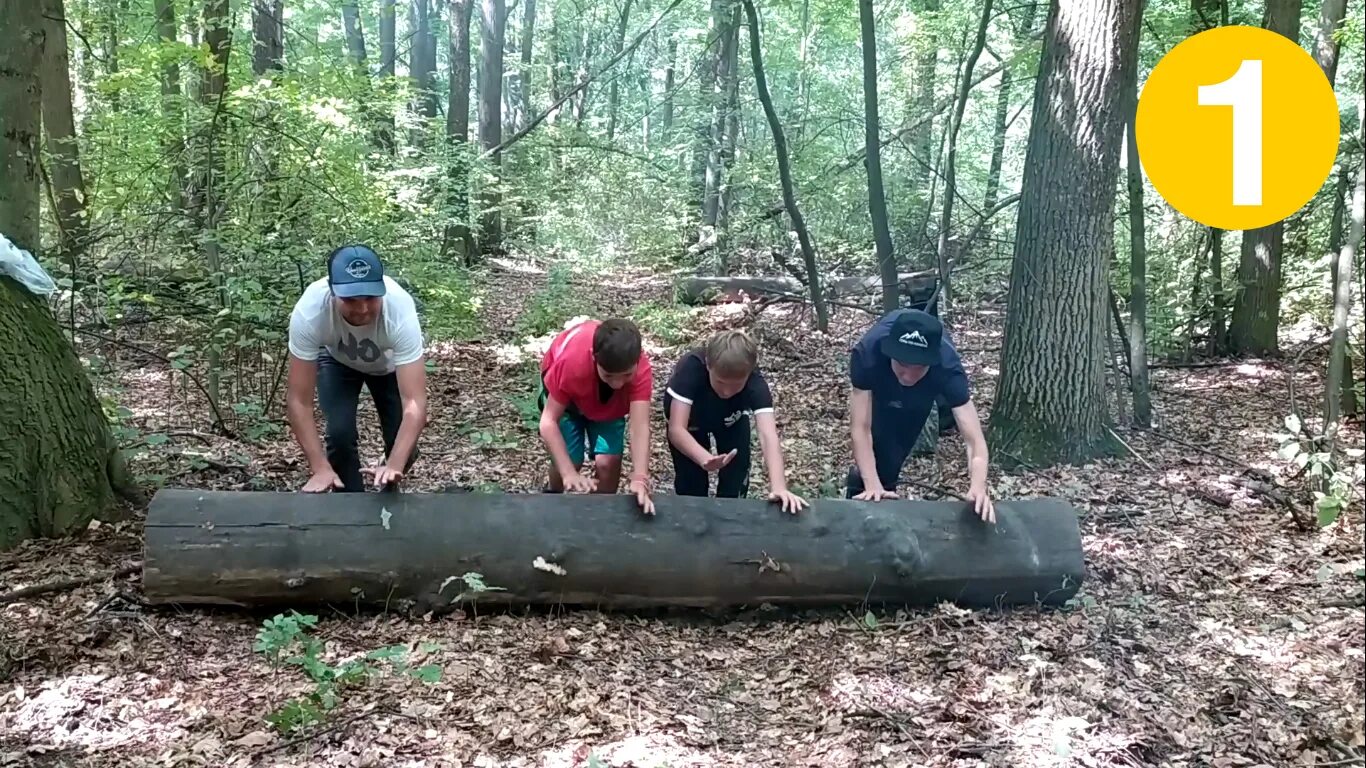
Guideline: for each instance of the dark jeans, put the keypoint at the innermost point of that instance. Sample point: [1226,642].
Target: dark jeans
[338,397]
[732,481]
[895,431]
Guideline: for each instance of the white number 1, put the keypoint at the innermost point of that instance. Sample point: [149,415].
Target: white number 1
[1243,92]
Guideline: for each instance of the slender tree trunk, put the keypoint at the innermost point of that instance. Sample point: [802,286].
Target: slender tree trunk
[711,195]
[491,119]
[458,240]
[1331,15]
[57,458]
[111,46]
[613,93]
[1050,403]
[877,202]
[581,76]
[208,188]
[268,36]
[803,86]
[951,161]
[60,126]
[1342,298]
[784,172]
[709,69]
[921,136]
[730,143]
[355,37]
[1218,330]
[1138,270]
[172,111]
[423,71]
[1257,307]
[1021,32]
[668,118]
[388,53]
[527,48]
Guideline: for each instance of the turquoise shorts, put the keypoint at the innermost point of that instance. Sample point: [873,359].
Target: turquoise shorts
[606,438]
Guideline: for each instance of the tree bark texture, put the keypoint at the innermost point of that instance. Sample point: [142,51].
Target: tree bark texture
[1021,32]
[1218,331]
[668,117]
[720,108]
[172,108]
[59,124]
[1050,405]
[274,549]
[785,172]
[877,200]
[424,70]
[613,90]
[491,119]
[1257,306]
[458,240]
[388,53]
[709,68]
[1138,268]
[355,37]
[1342,299]
[268,36]
[25,32]
[526,49]
[921,134]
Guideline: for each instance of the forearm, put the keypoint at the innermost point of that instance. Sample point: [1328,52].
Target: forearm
[306,434]
[864,458]
[559,452]
[414,420]
[640,447]
[773,459]
[977,466]
[682,439]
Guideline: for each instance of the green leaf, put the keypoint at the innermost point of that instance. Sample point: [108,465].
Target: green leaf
[1328,514]
[156,439]
[428,673]
[870,621]
[1292,423]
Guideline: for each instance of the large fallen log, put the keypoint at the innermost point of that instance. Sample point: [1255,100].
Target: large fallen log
[265,548]
[918,286]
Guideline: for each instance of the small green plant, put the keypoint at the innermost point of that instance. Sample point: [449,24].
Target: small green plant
[667,322]
[1335,481]
[525,398]
[285,641]
[490,440]
[551,306]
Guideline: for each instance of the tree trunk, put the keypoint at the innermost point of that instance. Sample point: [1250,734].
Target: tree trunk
[1342,299]
[528,41]
[1331,15]
[111,47]
[172,111]
[268,36]
[56,454]
[388,53]
[1021,32]
[785,172]
[1218,330]
[1257,307]
[1050,404]
[730,142]
[68,184]
[1138,269]
[355,37]
[709,69]
[613,93]
[668,118]
[208,187]
[424,71]
[951,161]
[720,102]
[491,119]
[261,548]
[921,135]
[877,202]
[458,241]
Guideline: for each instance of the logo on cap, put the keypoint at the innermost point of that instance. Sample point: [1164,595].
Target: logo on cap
[914,339]
[358,268]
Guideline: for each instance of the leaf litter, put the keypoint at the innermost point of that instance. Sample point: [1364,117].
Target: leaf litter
[1207,634]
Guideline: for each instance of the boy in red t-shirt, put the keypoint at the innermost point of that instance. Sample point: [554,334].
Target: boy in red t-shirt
[593,376]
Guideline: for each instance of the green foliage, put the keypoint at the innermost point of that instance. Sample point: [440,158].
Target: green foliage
[285,640]
[1335,477]
[554,304]
[667,322]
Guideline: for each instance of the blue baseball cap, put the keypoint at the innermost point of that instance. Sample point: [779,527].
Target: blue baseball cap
[355,271]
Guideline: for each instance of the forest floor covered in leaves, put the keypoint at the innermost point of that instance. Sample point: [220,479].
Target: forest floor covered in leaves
[1210,631]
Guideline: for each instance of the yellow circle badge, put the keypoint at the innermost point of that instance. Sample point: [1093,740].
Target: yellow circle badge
[1237,127]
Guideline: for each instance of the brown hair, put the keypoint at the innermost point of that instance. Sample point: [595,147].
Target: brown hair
[732,353]
[616,345]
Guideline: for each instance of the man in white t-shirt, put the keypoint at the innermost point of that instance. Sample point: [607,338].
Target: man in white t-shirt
[356,327]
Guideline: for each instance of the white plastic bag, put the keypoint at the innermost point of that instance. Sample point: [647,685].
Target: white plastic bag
[20,265]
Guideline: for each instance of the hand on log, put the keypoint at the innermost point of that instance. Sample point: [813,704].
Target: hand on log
[981,503]
[577,483]
[322,482]
[716,463]
[791,502]
[876,493]
[641,488]
[384,476]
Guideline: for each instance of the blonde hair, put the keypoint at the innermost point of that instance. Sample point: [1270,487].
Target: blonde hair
[732,353]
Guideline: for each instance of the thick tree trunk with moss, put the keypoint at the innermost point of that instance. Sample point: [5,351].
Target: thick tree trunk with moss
[1050,405]
[56,454]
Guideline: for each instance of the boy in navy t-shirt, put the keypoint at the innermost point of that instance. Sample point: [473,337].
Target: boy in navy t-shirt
[898,369]
[714,393]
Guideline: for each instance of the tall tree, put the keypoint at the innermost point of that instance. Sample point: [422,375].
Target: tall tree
[355,36]
[921,111]
[708,70]
[784,170]
[1050,403]
[1342,298]
[68,184]
[268,36]
[388,54]
[423,69]
[951,157]
[458,238]
[1020,30]
[172,109]
[613,90]
[526,49]
[1138,266]
[720,108]
[491,31]
[207,191]
[668,117]
[1257,307]
[59,466]
[872,139]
